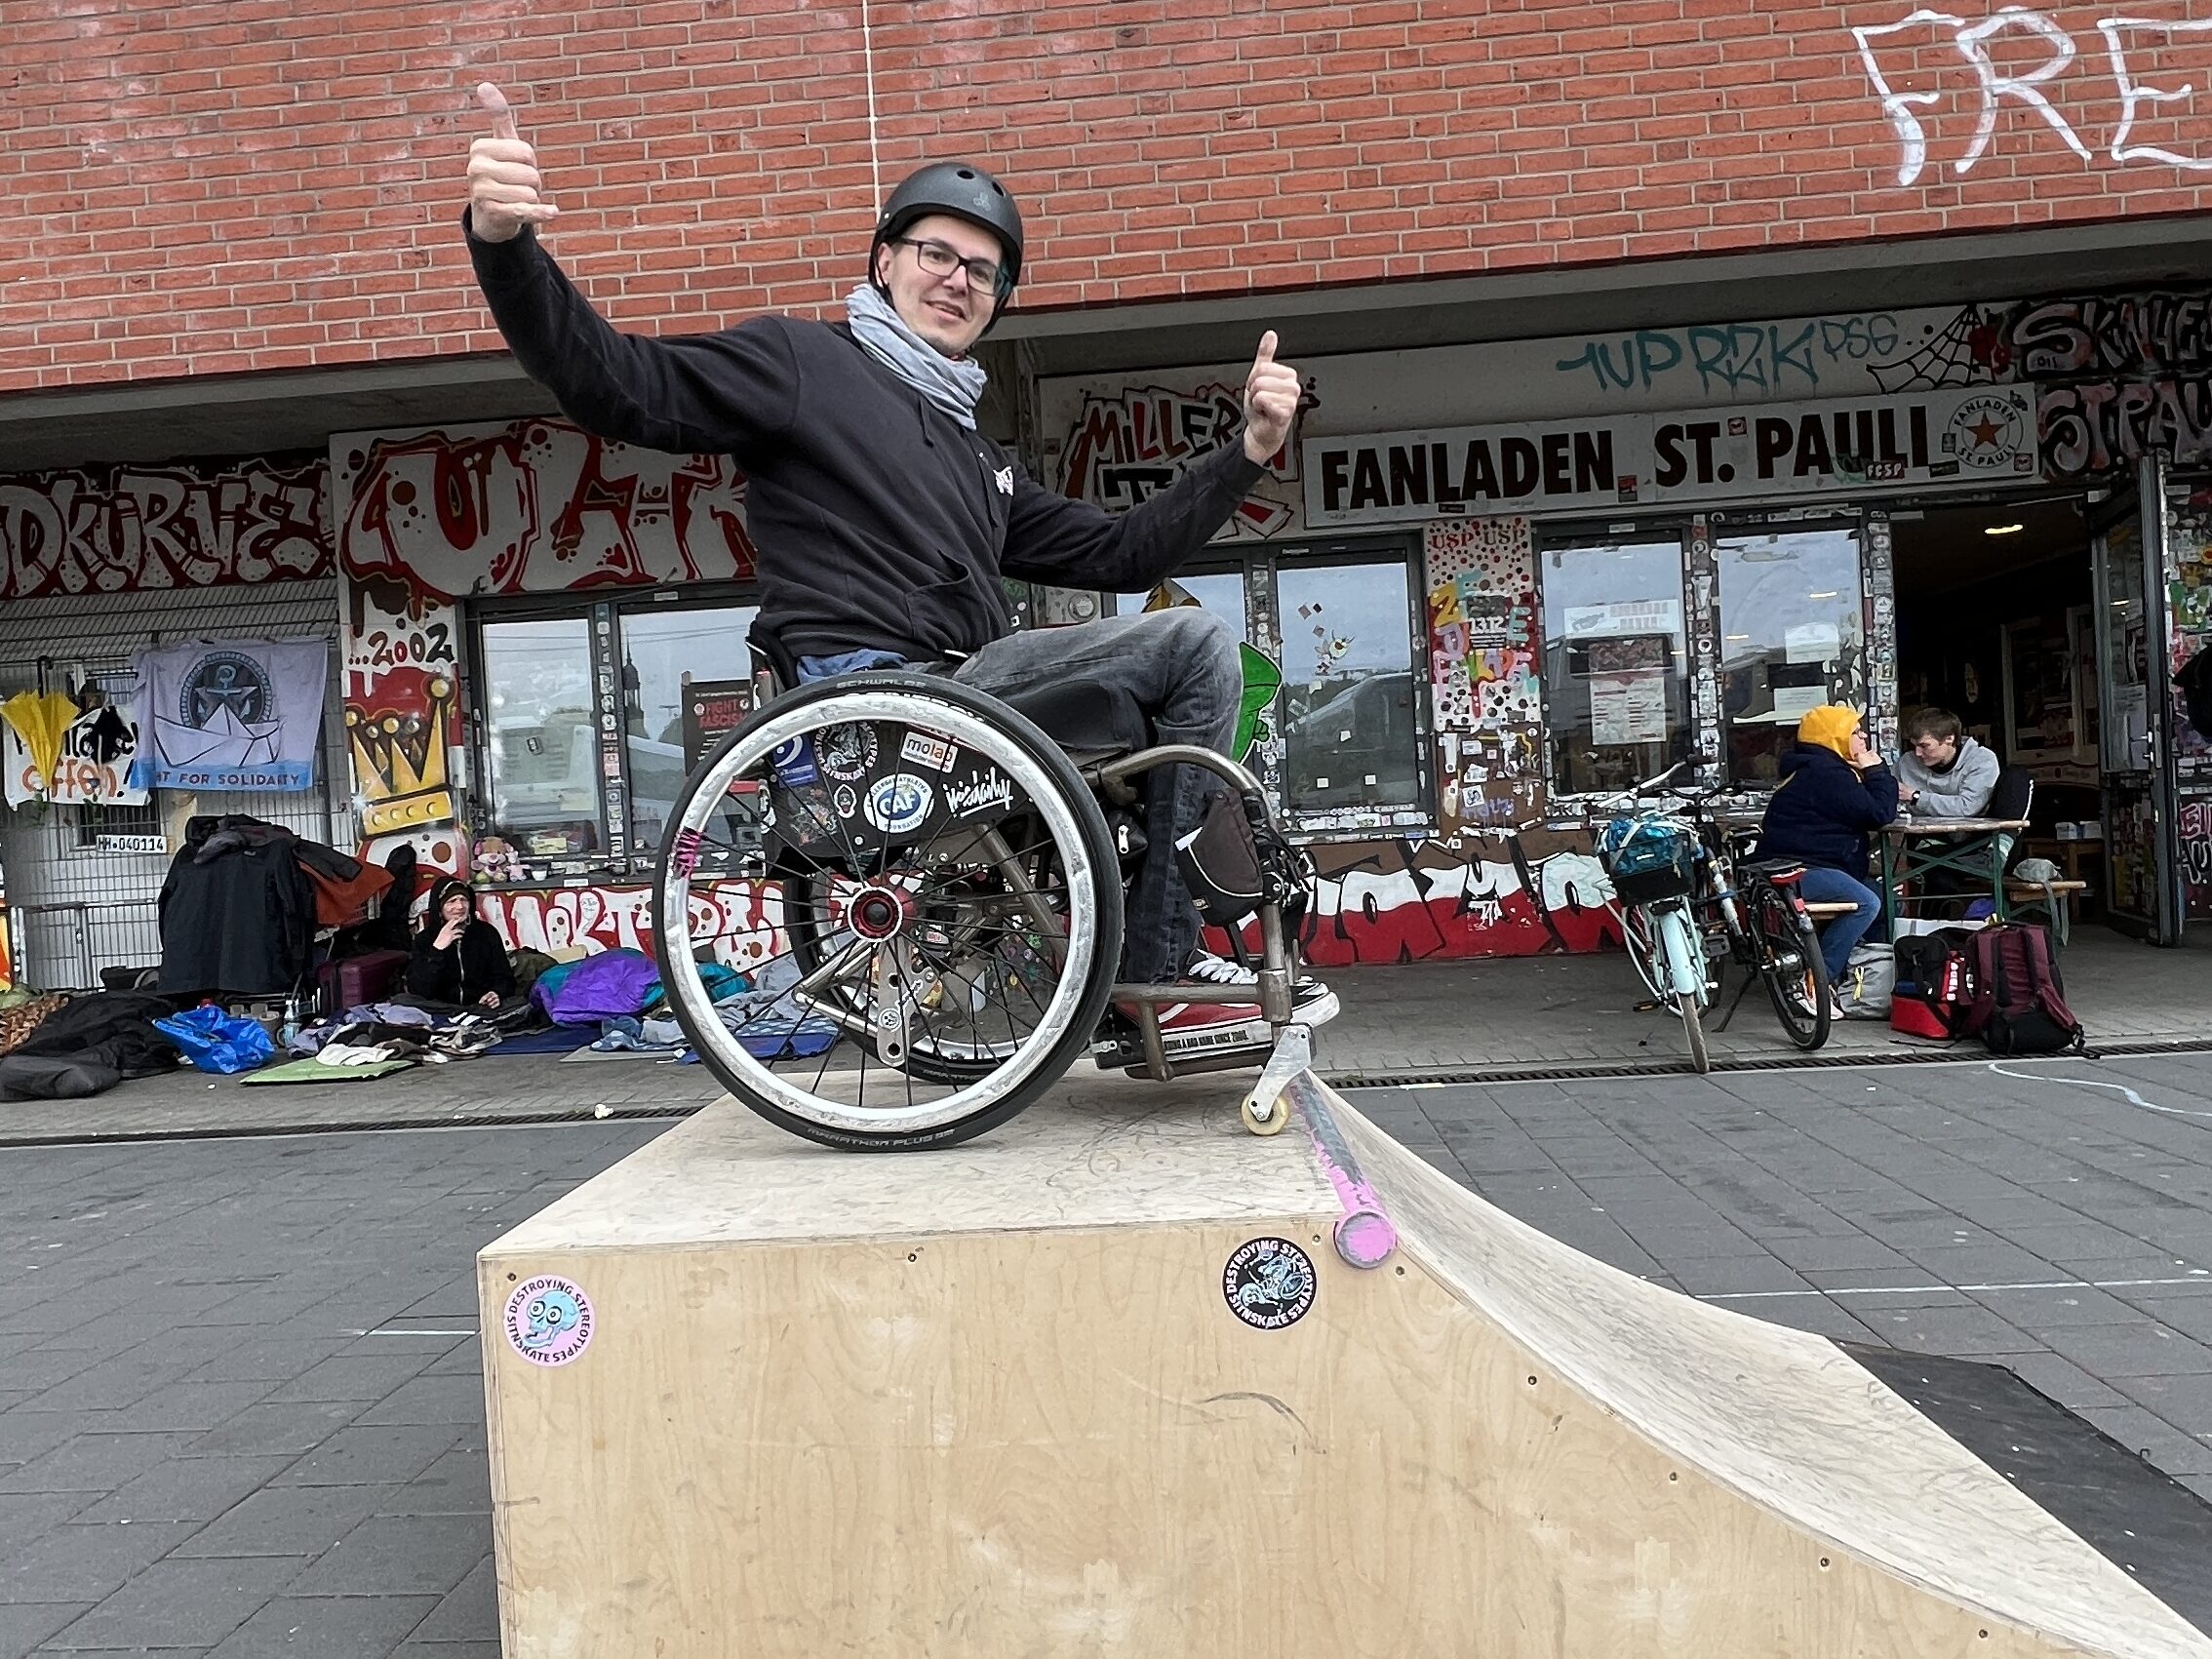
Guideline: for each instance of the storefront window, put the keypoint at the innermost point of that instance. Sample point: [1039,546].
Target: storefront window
[1351,738]
[1792,638]
[541,760]
[548,781]
[1616,703]
[663,651]
[1221,592]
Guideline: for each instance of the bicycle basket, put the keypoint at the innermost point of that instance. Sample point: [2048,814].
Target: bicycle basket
[1648,859]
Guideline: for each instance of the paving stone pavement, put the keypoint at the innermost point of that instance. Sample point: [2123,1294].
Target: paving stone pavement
[240,1392]
[1455,1018]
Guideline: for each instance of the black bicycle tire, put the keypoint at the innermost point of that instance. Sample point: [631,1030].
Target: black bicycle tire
[1769,898]
[1091,823]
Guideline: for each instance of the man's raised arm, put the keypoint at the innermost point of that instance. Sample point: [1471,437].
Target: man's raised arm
[718,393]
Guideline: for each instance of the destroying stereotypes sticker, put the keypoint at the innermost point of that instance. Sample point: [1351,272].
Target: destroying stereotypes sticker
[548,1319]
[1269,1283]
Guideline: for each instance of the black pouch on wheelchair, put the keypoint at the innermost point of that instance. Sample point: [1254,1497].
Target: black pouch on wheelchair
[1232,866]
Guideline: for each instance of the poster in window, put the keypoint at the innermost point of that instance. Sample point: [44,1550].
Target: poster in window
[712,710]
[1627,708]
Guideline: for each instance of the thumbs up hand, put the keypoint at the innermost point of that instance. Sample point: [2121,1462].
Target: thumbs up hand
[1271,403]
[503,181]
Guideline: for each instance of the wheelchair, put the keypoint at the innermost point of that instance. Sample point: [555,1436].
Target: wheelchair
[889,907]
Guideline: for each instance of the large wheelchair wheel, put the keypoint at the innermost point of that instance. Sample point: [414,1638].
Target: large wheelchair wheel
[918,897]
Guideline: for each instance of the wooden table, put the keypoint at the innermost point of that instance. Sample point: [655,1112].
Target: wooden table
[1969,846]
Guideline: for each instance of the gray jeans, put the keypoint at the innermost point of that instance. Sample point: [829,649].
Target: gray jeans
[1182,667]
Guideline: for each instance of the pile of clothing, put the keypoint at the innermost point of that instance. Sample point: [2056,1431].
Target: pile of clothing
[378,1032]
[619,992]
[85,1046]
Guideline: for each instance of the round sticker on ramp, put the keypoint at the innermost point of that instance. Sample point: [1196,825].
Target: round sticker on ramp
[1269,1284]
[548,1319]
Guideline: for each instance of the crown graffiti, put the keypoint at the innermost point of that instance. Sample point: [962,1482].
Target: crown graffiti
[399,762]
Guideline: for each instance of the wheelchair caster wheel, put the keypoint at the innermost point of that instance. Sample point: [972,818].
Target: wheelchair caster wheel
[1272,1122]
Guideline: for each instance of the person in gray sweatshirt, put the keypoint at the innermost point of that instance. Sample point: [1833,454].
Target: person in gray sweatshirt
[1944,774]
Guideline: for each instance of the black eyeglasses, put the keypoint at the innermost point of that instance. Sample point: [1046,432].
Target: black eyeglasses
[941,259]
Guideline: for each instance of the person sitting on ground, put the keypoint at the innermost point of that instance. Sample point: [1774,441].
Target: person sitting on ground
[1835,792]
[459,960]
[1944,774]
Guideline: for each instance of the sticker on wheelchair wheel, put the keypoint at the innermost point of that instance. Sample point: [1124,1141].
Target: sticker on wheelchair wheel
[844,802]
[1269,1284]
[548,1319]
[985,789]
[899,804]
[684,856]
[792,764]
[926,749]
[847,752]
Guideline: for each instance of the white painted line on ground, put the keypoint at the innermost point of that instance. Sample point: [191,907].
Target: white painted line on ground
[2091,1082]
[2199,1277]
[415,1330]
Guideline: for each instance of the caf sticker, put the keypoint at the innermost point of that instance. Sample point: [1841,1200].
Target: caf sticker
[1269,1284]
[926,749]
[899,804]
[548,1319]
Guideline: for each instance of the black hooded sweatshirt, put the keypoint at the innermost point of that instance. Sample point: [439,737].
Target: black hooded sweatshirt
[466,969]
[882,523]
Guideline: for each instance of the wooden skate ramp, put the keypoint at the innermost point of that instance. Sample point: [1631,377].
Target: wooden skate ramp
[996,1400]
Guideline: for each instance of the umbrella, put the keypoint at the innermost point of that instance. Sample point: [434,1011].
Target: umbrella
[41,719]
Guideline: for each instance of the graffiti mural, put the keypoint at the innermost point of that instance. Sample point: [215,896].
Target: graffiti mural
[1413,900]
[126,530]
[536,507]
[1484,656]
[1126,447]
[2119,377]
[743,918]
[2122,83]
[2195,828]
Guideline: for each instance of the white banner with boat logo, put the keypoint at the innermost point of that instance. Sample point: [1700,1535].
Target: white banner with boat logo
[232,714]
[1973,436]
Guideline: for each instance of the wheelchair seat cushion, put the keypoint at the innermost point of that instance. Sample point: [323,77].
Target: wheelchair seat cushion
[1084,717]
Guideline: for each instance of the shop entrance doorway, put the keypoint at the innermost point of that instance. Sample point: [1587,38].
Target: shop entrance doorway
[2040,623]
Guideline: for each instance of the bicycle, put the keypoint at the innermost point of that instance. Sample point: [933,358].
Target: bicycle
[1688,905]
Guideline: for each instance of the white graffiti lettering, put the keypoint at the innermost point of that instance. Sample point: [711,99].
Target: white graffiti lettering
[2127,42]
[980,793]
[126,530]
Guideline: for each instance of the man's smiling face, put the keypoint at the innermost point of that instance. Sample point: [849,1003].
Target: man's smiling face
[950,310]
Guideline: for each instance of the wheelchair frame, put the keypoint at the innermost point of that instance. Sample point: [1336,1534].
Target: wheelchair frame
[1113,780]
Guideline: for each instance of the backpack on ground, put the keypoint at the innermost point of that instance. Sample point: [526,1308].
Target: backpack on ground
[1868,982]
[2019,1003]
[1934,990]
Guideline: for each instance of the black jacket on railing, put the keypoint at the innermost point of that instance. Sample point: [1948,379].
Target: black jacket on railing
[237,912]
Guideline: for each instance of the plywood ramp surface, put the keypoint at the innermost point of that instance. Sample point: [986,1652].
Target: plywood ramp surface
[995,1402]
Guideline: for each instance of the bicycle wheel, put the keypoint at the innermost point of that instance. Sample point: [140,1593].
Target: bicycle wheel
[922,895]
[1684,956]
[1790,963]
[1644,953]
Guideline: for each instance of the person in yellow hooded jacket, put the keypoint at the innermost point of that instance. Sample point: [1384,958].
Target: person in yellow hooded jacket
[1835,793]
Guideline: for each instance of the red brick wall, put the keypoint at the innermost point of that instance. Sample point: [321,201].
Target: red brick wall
[221,185]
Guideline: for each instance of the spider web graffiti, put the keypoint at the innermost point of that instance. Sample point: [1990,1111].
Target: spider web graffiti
[1969,350]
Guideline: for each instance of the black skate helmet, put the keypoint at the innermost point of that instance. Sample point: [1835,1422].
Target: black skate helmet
[965,191]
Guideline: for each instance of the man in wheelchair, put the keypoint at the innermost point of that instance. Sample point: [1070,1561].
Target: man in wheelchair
[884,519]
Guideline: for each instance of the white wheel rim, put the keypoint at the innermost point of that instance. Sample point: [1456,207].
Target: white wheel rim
[1045,798]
